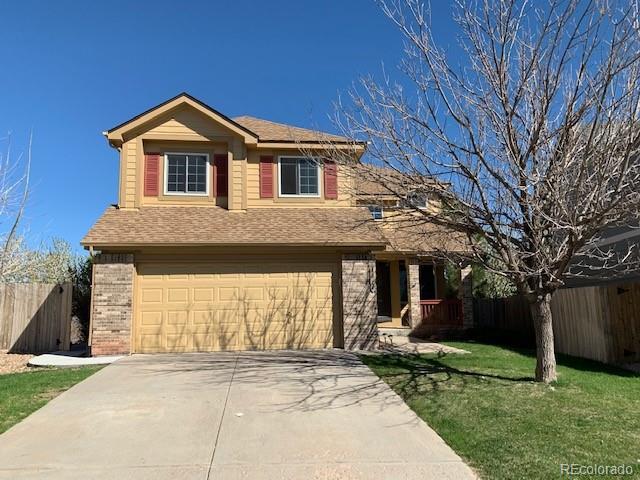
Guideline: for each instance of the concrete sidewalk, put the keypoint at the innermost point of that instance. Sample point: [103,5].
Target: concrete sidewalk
[259,415]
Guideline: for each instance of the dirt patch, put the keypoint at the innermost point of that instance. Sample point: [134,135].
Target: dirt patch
[13,362]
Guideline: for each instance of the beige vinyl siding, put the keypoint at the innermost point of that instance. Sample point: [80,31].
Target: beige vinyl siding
[345,185]
[189,125]
[236,194]
[128,175]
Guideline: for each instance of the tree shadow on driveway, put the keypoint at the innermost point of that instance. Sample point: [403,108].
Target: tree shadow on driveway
[292,380]
[306,380]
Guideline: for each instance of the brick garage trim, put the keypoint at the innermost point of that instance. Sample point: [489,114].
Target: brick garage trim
[112,304]
[359,302]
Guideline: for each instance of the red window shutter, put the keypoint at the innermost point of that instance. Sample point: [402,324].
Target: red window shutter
[151,174]
[266,176]
[220,175]
[330,180]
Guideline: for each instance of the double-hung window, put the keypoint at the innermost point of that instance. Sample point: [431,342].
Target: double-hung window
[186,174]
[299,177]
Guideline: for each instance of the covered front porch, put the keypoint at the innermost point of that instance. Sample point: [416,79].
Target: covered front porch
[412,295]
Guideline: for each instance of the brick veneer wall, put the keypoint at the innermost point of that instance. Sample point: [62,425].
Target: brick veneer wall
[112,303]
[359,301]
[413,289]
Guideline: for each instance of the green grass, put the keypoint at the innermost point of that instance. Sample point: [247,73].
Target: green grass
[488,409]
[23,393]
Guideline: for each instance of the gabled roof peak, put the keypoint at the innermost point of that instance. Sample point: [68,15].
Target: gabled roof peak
[252,129]
[115,134]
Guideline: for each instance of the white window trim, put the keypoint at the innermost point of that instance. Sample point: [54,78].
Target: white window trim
[302,195]
[165,181]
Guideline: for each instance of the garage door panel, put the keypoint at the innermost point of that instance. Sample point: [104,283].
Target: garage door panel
[204,317]
[227,316]
[176,341]
[204,294]
[177,317]
[252,293]
[211,307]
[151,318]
[228,293]
[277,292]
[177,295]
[151,295]
[270,333]
[150,342]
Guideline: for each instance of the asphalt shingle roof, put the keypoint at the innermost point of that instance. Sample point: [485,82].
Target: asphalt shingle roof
[182,225]
[269,131]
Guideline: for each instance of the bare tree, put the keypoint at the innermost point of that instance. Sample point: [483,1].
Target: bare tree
[14,192]
[526,131]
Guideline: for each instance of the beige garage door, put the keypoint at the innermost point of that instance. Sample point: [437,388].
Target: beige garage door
[213,307]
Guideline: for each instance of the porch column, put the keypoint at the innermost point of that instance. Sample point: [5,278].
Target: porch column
[394,279]
[413,291]
[359,301]
[465,293]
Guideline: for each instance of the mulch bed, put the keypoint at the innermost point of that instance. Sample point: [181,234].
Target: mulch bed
[13,362]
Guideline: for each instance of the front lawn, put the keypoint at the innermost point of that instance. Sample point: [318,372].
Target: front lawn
[487,408]
[23,393]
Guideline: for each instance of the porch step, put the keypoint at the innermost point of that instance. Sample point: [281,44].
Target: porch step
[395,331]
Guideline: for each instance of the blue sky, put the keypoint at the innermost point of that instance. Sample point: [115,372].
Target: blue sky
[71,70]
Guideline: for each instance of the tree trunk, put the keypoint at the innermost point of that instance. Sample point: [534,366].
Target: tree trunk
[542,324]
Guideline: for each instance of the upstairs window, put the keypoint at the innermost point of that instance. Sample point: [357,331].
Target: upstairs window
[298,177]
[186,174]
[376,212]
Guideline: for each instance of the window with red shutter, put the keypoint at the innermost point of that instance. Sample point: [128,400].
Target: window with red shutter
[266,176]
[151,174]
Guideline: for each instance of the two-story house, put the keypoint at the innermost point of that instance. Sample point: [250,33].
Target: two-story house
[227,237]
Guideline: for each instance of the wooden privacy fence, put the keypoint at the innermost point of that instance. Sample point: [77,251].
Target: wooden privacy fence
[601,322]
[35,317]
[509,315]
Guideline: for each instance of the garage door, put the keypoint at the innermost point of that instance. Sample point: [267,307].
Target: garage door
[213,307]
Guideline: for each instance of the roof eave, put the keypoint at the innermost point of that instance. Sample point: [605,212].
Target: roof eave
[98,245]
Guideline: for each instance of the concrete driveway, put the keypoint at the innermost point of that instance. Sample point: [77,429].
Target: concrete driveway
[312,415]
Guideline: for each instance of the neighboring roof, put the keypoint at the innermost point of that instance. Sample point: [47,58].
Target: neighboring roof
[253,129]
[178,225]
[269,131]
[408,233]
[374,181]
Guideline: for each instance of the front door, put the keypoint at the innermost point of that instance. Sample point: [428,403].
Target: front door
[383,283]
